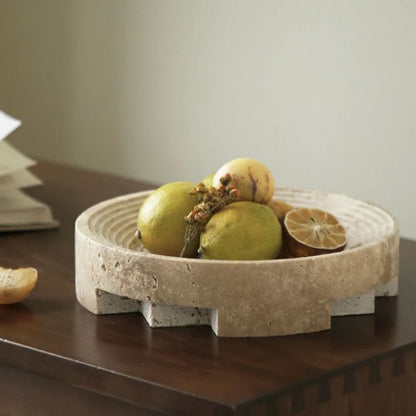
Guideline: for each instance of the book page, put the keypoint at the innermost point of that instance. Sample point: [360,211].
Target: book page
[17,208]
[18,211]
[29,227]
[7,124]
[12,160]
[19,179]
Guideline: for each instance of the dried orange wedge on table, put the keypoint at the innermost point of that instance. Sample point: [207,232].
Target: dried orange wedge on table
[311,231]
[16,284]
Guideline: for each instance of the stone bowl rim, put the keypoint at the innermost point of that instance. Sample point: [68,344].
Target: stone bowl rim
[81,226]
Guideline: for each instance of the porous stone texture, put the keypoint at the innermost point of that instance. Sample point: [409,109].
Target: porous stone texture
[355,305]
[108,303]
[115,274]
[164,315]
[390,288]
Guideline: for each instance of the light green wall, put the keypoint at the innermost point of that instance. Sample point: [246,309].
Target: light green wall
[323,92]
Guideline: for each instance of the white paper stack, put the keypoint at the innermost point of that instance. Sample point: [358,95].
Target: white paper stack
[18,211]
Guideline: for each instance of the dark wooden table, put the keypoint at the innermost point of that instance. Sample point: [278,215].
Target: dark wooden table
[57,358]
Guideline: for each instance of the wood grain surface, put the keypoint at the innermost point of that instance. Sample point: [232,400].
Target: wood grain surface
[54,350]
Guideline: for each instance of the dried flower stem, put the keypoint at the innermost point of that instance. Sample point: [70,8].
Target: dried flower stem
[210,201]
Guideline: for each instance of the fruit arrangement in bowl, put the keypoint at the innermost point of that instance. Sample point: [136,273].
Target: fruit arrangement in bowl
[233,215]
[236,253]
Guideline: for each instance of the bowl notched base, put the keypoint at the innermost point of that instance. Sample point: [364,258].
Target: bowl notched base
[237,298]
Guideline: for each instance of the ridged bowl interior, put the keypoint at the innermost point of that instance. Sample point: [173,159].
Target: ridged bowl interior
[114,222]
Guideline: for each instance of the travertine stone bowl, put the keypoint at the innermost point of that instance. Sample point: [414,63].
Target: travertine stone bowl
[115,273]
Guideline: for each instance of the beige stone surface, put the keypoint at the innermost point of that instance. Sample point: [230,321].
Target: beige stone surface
[115,274]
[354,305]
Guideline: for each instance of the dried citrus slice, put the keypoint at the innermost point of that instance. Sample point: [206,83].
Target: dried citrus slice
[16,284]
[311,231]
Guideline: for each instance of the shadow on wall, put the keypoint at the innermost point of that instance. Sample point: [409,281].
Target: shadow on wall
[61,75]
